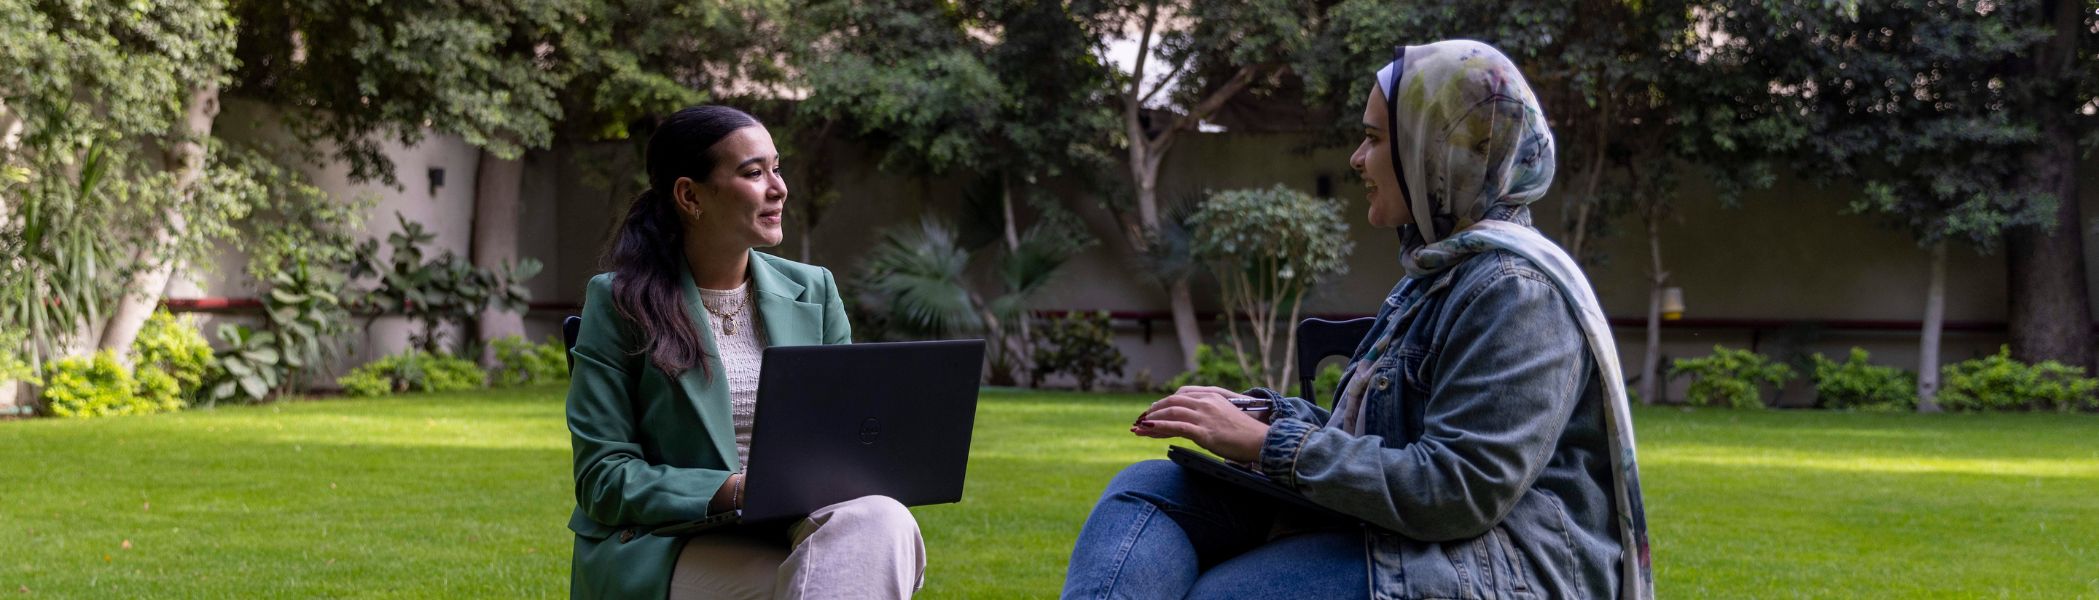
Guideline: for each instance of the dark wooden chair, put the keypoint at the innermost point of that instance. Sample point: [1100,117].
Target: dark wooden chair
[1318,339]
[569,327]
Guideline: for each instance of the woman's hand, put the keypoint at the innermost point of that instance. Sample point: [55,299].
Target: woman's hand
[1206,416]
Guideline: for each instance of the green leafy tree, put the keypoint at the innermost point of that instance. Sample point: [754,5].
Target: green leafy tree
[905,78]
[1269,248]
[507,78]
[621,64]
[349,75]
[1191,59]
[1947,115]
[1000,90]
[107,109]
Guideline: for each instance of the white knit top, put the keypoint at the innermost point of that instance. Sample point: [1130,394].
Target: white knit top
[742,354]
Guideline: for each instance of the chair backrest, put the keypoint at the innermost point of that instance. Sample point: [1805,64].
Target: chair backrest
[1320,338]
[569,327]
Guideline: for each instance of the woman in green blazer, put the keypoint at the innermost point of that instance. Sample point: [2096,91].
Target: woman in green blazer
[663,392]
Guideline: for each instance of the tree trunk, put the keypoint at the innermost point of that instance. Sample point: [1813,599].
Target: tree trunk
[2050,307]
[805,240]
[1934,321]
[1588,204]
[1146,173]
[187,156]
[1297,304]
[1651,365]
[1185,327]
[498,182]
[815,184]
[1024,350]
[1147,152]
[1012,226]
[10,134]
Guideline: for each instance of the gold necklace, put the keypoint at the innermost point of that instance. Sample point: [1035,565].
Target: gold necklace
[729,318]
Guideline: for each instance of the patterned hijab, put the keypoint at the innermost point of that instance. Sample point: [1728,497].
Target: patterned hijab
[1468,141]
[1472,151]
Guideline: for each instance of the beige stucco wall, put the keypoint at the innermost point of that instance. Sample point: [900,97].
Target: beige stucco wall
[1784,254]
[445,211]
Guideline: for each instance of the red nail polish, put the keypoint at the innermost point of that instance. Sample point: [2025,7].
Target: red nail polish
[1144,423]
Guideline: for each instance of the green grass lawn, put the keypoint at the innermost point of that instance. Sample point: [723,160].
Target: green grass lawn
[467,496]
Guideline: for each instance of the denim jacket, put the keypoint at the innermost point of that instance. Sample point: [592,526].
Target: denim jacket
[1483,469]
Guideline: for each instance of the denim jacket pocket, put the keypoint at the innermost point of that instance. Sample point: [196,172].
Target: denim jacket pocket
[1536,536]
[1387,393]
[1486,567]
[1400,395]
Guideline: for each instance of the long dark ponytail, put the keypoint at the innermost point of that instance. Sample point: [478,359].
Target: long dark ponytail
[650,247]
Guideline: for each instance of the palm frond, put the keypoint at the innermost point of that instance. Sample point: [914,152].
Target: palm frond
[918,272]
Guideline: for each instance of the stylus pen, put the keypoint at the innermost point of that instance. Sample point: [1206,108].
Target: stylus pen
[1253,404]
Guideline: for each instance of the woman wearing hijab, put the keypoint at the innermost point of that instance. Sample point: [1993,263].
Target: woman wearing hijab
[1481,443]
[663,394]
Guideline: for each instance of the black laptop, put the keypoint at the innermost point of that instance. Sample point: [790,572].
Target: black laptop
[843,421]
[1243,477]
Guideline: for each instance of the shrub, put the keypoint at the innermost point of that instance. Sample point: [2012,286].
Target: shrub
[417,371]
[303,314]
[1269,248]
[1857,384]
[1324,384]
[171,347]
[1080,344]
[12,367]
[520,362]
[1217,366]
[100,386]
[440,289]
[366,382]
[249,367]
[1998,382]
[157,390]
[1730,377]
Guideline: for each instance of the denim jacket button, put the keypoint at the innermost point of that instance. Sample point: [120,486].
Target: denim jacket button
[1383,382]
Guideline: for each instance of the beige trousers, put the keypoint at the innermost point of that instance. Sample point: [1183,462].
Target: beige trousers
[867,547]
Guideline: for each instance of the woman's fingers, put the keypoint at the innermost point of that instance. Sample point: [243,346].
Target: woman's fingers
[1211,422]
[1180,414]
[1175,421]
[1170,429]
[1174,400]
[1207,390]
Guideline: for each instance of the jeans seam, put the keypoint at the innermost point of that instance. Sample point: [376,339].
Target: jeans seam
[1122,551]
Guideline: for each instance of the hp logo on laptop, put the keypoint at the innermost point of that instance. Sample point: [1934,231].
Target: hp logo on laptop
[869,430]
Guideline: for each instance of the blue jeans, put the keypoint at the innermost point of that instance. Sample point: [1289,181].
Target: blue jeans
[1161,533]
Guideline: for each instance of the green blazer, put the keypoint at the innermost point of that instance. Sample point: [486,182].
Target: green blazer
[651,449]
